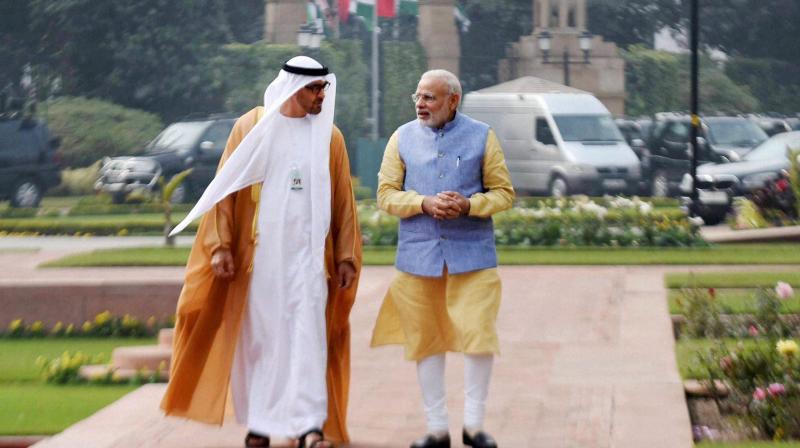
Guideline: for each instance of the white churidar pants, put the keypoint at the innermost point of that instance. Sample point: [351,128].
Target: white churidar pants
[477,373]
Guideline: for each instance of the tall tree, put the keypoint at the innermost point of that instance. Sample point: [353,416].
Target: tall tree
[494,24]
[631,22]
[752,28]
[148,54]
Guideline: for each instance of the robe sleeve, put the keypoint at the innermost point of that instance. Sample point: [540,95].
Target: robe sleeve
[391,196]
[344,214]
[221,217]
[496,180]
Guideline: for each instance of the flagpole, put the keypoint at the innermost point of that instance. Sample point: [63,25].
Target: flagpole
[375,31]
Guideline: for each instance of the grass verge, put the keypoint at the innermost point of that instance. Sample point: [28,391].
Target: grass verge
[731,279]
[735,301]
[726,254]
[29,406]
[687,352]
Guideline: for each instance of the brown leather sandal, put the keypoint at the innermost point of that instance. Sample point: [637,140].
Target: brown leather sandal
[253,440]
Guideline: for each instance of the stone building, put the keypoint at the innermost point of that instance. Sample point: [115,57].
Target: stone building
[564,21]
[436,29]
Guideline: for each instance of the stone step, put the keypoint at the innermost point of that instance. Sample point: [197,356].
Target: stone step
[100,371]
[165,337]
[703,389]
[150,357]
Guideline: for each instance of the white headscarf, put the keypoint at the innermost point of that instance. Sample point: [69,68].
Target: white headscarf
[248,163]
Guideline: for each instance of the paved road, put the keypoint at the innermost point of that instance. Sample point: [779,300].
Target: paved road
[587,361]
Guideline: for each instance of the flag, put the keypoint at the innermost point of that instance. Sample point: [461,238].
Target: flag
[407,8]
[365,8]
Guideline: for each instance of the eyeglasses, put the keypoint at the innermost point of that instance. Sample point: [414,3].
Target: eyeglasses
[425,97]
[316,88]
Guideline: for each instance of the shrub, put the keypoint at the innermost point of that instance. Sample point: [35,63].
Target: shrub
[77,181]
[92,129]
[702,312]
[64,369]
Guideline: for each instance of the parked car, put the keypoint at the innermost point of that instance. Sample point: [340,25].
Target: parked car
[771,125]
[196,144]
[637,133]
[557,143]
[721,139]
[760,166]
[29,160]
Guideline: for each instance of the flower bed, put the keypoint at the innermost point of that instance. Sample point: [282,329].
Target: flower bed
[761,376]
[576,222]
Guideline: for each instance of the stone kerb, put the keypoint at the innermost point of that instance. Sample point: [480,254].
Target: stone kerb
[79,300]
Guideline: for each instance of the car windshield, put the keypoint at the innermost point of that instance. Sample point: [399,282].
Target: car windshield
[588,128]
[742,133]
[177,137]
[775,148]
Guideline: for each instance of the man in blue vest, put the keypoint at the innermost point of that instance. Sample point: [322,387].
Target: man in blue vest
[444,175]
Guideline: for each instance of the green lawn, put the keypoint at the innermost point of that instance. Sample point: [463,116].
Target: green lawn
[34,408]
[30,406]
[726,254]
[748,445]
[735,301]
[732,279]
[18,356]
[687,350]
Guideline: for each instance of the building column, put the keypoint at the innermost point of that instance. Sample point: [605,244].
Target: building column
[282,20]
[544,9]
[581,15]
[563,14]
[437,33]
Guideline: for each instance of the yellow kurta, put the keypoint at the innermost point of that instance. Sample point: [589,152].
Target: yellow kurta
[453,312]
[210,310]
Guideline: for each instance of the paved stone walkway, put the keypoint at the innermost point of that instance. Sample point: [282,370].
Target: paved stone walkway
[587,361]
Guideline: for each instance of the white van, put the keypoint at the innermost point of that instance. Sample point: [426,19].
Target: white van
[558,143]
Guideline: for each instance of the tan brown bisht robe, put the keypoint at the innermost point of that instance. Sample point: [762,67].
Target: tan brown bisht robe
[210,310]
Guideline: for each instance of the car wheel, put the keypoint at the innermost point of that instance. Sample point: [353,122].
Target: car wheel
[659,185]
[118,197]
[26,193]
[558,187]
[713,219]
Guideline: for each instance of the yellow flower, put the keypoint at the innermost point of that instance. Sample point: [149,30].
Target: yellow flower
[102,318]
[37,327]
[57,328]
[787,348]
[15,325]
[86,327]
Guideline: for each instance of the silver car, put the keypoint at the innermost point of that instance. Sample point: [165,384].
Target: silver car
[718,183]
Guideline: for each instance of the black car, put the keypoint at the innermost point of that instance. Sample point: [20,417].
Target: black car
[29,160]
[721,139]
[636,133]
[196,144]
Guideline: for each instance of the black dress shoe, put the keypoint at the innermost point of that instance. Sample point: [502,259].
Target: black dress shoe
[480,440]
[430,441]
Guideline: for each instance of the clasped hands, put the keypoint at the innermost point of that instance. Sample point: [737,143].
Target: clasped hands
[446,205]
[222,266]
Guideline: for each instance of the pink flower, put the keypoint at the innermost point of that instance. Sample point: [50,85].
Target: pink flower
[784,290]
[759,394]
[776,389]
[753,331]
[726,363]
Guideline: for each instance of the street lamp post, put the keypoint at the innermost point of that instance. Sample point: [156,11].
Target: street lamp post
[584,42]
[309,38]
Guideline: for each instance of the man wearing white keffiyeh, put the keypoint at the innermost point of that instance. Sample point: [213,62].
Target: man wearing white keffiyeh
[280,249]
